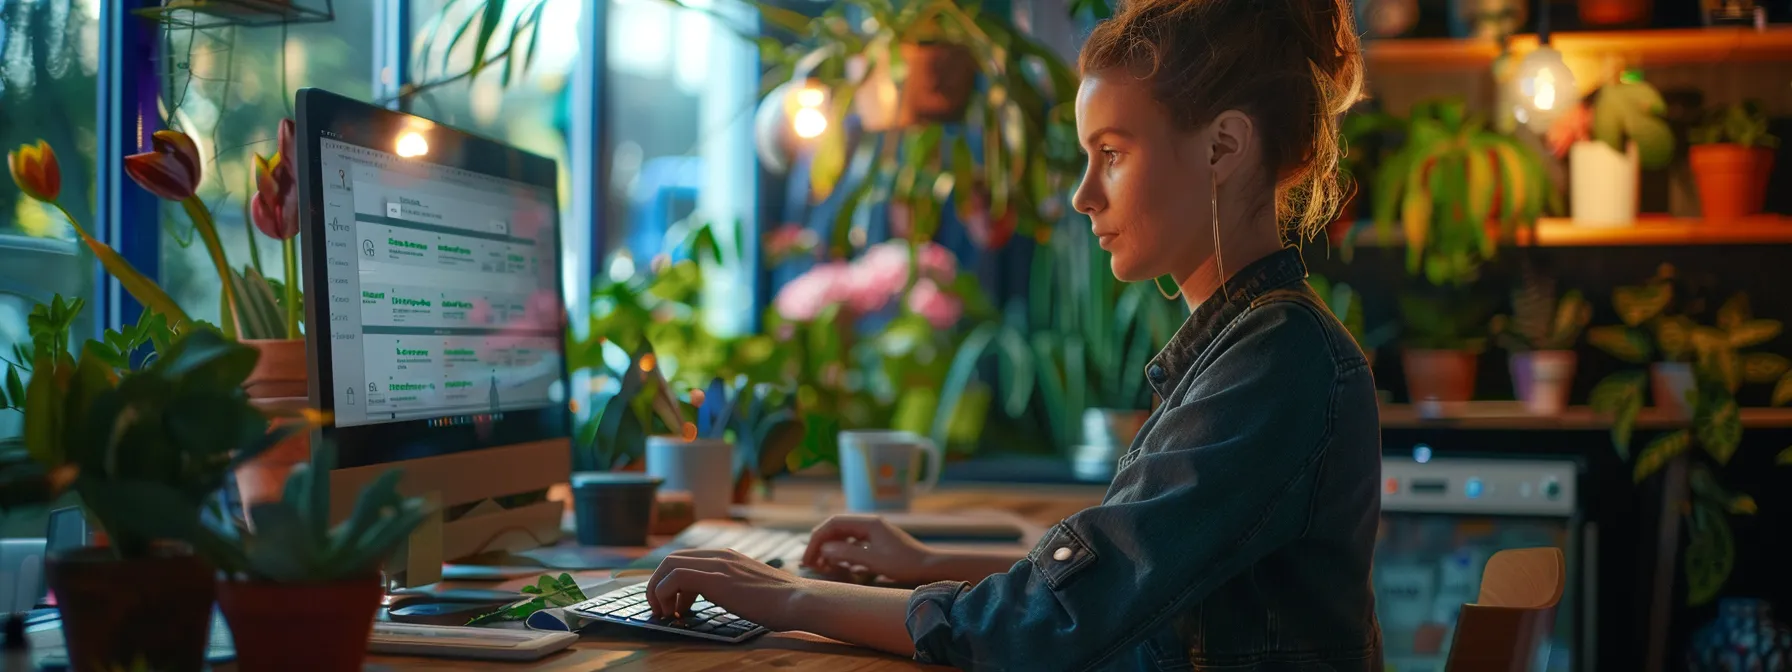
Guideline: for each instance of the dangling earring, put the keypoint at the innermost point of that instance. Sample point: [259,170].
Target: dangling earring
[1158,283]
[1219,260]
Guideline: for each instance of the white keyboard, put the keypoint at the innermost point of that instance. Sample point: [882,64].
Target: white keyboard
[758,543]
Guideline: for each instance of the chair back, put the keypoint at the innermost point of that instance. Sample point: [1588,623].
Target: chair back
[1500,632]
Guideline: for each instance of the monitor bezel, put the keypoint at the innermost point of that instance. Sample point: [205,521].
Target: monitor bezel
[347,120]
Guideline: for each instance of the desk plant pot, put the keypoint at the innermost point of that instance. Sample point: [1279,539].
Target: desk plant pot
[261,479]
[941,79]
[280,380]
[613,508]
[280,371]
[155,609]
[1541,379]
[1732,179]
[1439,375]
[315,627]
[1669,383]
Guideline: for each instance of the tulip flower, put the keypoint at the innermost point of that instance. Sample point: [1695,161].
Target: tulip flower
[170,170]
[275,211]
[35,170]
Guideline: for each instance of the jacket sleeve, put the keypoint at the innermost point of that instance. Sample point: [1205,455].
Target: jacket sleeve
[1223,479]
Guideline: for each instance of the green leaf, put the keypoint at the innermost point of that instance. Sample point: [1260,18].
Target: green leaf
[1734,312]
[1620,395]
[1720,430]
[1753,332]
[1784,458]
[1710,554]
[1782,390]
[15,388]
[1637,304]
[1623,343]
[1657,454]
[964,177]
[1675,336]
[488,25]
[1764,367]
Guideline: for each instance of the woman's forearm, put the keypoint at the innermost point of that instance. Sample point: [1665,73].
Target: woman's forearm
[862,615]
[970,566]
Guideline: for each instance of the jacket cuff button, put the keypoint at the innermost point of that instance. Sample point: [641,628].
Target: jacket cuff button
[1062,554]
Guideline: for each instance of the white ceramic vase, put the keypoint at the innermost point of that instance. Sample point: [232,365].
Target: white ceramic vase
[1604,184]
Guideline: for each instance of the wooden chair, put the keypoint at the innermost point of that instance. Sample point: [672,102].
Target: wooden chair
[1514,613]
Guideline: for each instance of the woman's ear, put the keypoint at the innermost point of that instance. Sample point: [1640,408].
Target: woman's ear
[1234,141]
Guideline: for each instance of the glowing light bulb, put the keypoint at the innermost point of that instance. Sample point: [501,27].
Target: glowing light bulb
[810,97]
[809,123]
[1543,94]
[411,143]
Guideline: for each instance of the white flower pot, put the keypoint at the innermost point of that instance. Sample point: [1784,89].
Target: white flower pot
[1542,379]
[1604,184]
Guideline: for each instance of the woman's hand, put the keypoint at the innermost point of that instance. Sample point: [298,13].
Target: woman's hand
[745,587]
[849,546]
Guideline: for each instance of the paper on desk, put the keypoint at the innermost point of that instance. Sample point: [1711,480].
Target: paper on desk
[557,619]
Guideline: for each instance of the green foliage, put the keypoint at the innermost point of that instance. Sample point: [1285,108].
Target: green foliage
[1445,319]
[293,542]
[150,447]
[1452,186]
[48,327]
[1347,305]
[259,313]
[549,592]
[1743,124]
[1541,320]
[1630,110]
[480,20]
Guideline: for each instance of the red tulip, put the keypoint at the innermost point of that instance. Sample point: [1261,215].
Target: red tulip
[170,170]
[35,170]
[275,209]
[287,129]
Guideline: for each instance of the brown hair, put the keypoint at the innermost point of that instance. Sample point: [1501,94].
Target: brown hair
[1292,65]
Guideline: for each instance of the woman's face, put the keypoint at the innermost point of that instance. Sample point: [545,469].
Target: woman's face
[1148,187]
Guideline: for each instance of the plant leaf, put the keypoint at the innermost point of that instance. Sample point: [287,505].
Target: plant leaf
[1656,455]
[1720,430]
[1637,304]
[1782,390]
[1710,554]
[1734,312]
[1675,336]
[1753,332]
[1621,395]
[1764,367]
[1621,342]
[1784,458]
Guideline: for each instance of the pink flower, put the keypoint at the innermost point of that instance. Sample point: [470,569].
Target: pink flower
[806,296]
[787,241]
[938,261]
[941,309]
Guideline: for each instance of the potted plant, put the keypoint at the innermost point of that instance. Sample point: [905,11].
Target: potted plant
[1347,305]
[1608,138]
[146,451]
[1442,336]
[1713,424]
[1732,155]
[1456,189]
[1356,163]
[296,573]
[1655,332]
[1540,335]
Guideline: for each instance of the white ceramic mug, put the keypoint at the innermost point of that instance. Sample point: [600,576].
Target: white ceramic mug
[704,468]
[880,470]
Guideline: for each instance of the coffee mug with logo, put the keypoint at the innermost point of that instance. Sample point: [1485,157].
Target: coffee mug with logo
[881,470]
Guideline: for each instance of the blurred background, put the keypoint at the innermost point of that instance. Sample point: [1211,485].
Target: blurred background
[1564,250]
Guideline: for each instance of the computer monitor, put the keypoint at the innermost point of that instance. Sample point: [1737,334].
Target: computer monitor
[435,327]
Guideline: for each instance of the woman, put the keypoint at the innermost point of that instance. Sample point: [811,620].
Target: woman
[1238,530]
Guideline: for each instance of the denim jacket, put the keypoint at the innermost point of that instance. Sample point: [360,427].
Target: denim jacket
[1238,531]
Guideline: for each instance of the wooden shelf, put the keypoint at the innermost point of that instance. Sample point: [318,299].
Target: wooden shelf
[1659,231]
[1642,47]
[1510,415]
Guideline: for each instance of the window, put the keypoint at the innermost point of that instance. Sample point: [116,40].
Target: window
[533,109]
[229,88]
[681,89]
[49,65]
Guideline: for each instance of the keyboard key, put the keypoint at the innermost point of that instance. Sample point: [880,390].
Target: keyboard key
[642,617]
[701,606]
[705,627]
[750,625]
[631,611]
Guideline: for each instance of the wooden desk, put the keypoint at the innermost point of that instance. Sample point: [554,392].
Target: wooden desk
[621,648]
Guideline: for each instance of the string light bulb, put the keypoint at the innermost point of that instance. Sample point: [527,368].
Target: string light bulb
[1545,85]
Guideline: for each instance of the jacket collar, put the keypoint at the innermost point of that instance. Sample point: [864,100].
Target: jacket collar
[1270,273]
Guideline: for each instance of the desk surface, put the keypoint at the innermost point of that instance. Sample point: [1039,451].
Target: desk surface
[622,648]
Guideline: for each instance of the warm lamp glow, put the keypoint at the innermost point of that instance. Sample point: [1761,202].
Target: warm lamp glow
[1545,88]
[411,143]
[810,97]
[809,123]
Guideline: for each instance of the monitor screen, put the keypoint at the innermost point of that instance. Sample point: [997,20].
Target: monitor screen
[439,324]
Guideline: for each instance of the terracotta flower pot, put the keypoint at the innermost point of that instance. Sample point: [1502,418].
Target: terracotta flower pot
[1732,181]
[1669,384]
[115,612]
[280,371]
[1541,379]
[321,627]
[263,479]
[941,78]
[1763,171]
[1439,375]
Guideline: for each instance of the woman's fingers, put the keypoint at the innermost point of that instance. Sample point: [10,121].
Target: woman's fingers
[854,554]
[837,529]
[710,561]
[680,588]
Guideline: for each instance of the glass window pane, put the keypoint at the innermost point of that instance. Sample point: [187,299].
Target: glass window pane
[229,88]
[531,107]
[49,66]
[682,88]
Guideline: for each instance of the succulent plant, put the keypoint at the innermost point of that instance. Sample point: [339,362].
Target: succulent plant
[293,541]
[1743,124]
[1540,319]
